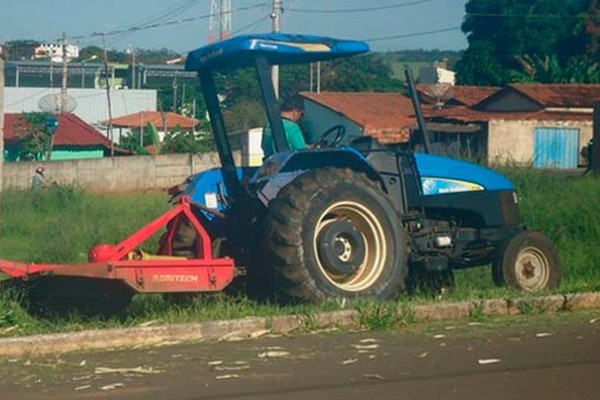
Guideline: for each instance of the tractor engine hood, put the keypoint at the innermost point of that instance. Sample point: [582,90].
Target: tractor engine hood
[441,175]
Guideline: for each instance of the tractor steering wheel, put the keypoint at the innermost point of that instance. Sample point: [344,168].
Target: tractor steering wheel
[331,137]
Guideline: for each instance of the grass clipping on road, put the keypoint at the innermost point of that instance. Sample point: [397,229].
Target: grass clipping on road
[61,224]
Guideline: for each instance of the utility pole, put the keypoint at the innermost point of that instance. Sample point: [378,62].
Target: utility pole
[65,72]
[175,92]
[131,50]
[318,76]
[276,17]
[109,127]
[1,120]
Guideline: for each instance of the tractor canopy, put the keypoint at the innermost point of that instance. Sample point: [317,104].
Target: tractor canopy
[277,48]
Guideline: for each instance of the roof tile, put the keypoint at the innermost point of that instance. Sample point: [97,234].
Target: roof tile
[385,116]
[142,118]
[71,131]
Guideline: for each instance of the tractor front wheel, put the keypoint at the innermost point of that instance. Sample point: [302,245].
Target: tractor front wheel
[527,261]
[333,233]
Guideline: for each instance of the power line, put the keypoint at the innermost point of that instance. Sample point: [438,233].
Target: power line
[136,28]
[502,15]
[413,34]
[356,10]
[169,12]
[252,24]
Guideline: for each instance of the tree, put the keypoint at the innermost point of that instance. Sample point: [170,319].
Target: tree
[16,50]
[35,132]
[481,66]
[365,73]
[239,89]
[180,141]
[548,41]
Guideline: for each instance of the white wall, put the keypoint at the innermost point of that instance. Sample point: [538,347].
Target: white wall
[92,104]
[115,174]
[511,141]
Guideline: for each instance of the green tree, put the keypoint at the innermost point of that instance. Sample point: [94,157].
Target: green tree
[480,66]
[524,40]
[240,92]
[180,141]
[365,73]
[35,133]
[16,50]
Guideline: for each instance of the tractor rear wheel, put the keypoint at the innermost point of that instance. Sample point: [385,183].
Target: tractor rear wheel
[527,261]
[333,233]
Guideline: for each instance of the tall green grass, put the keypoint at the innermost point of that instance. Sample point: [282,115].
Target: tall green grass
[566,207]
[62,223]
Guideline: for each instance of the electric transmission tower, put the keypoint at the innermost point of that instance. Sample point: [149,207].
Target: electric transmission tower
[220,19]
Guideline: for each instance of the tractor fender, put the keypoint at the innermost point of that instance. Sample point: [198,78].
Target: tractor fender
[280,170]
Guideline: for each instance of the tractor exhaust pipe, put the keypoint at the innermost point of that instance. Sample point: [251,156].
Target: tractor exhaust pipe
[417,106]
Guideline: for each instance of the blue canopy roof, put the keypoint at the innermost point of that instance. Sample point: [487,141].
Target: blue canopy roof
[280,48]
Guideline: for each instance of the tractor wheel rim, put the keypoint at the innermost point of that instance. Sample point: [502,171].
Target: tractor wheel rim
[375,252]
[532,269]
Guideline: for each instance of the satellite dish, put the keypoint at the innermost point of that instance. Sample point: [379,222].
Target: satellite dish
[442,93]
[52,103]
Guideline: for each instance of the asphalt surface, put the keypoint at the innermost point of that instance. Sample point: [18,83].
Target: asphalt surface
[521,357]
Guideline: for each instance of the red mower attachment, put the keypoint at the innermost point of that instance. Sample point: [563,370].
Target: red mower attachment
[143,272]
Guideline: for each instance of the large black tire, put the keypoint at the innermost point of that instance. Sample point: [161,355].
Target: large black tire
[333,233]
[528,261]
[184,241]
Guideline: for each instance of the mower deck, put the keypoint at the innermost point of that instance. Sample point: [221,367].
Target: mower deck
[145,273]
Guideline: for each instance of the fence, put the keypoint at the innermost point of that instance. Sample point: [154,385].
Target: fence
[114,174]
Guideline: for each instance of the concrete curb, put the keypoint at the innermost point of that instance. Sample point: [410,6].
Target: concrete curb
[251,327]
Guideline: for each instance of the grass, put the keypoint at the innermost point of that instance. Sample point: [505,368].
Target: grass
[62,223]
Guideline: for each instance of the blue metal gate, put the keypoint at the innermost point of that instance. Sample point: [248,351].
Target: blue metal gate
[556,148]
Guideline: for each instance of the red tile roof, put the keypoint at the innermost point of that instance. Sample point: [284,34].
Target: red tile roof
[388,117]
[466,115]
[71,131]
[560,95]
[466,95]
[142,118]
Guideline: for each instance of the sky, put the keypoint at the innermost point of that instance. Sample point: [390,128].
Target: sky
[183,25]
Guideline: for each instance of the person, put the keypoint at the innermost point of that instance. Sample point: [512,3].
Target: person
[587,153]
[39,179]
[292,112]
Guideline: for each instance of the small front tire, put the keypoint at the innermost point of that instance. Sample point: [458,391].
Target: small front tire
[528,261]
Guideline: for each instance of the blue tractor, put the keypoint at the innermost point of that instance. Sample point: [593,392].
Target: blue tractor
[349,219]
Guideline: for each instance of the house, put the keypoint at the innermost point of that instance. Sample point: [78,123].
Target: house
[462,140]
[389,117]
[530,124]
[162,121]
[438,72]
[445,95]
[73,139]
[541,125]
[55,51]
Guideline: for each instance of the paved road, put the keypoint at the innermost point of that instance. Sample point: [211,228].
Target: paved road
[531,357]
